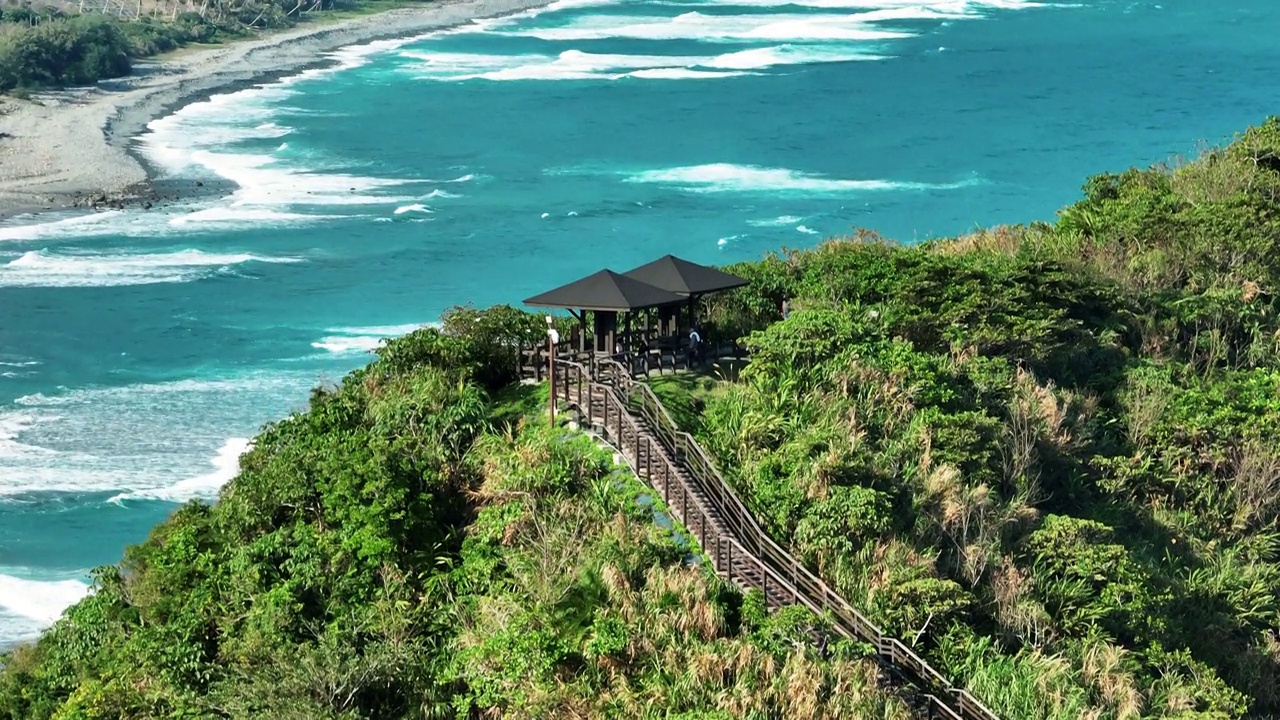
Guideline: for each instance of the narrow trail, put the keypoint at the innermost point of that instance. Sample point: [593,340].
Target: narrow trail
[628,414]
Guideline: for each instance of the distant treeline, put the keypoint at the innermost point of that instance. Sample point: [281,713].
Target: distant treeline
[43,48]
[49,49]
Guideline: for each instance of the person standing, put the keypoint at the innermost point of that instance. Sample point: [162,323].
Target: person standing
[695,346]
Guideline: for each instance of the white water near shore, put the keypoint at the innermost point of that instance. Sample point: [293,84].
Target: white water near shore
[75,142]
[28,605]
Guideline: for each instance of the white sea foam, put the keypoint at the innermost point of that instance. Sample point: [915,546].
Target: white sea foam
[442,194]
[806,230]
[342,345]
[144,437]
[779,221]
[264,180]
[46,268]
[203,216]
[680,74]
[888,9]
[226,464]
[579,65]
[206,138]
[12,425]
[238,215]
[345,340]
[418,208]
[766,57]
[92,224]
[41,601]
[705,27]
[725,177]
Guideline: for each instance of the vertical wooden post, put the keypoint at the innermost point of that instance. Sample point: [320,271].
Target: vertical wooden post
[553,337]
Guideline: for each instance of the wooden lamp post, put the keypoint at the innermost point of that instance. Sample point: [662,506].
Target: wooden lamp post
[553,337]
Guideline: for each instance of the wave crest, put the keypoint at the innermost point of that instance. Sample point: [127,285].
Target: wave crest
[45,268]
[726,177]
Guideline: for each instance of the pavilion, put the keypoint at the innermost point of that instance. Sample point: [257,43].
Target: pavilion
[665,285]
[684,278]
[605,294]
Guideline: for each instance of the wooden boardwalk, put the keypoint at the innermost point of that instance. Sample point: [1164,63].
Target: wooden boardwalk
[631,417]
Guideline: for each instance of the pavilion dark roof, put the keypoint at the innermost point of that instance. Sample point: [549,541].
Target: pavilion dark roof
[606,290]
[687,278]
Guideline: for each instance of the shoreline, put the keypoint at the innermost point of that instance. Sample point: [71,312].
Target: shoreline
[75,149]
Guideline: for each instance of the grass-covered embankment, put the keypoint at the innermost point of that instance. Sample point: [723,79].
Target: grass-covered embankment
[1045,455]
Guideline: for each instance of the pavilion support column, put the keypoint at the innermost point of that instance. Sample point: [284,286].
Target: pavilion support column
[668,320]
[606,328]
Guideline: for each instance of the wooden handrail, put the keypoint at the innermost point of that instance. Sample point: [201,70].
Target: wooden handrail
[761,562]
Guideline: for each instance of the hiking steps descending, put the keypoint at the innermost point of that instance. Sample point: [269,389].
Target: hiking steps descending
[628,414]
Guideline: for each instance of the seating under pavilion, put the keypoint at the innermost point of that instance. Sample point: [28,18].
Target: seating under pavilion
[662,287]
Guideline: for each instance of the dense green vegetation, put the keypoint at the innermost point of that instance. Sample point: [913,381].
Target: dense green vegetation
[43,47]
[1044,455]
[410,547]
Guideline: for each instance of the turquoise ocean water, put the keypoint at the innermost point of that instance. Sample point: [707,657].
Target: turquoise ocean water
[139,350]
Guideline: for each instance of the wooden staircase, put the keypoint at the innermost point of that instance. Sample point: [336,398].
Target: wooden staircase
[630,416]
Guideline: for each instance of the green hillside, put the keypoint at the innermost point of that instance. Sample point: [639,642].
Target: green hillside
[1045,456]
[411,547]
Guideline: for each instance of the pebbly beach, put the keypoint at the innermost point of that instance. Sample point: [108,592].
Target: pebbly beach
[72,148]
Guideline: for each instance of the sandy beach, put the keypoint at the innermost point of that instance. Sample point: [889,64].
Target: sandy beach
[70,148]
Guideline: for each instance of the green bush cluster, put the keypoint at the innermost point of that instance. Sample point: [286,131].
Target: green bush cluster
[73,51]
[45,47]
[1044,455]
[409,547]
[50,49]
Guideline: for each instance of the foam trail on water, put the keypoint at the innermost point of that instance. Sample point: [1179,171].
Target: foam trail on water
[45,268]
[726,177]
[780,221]
[226,465]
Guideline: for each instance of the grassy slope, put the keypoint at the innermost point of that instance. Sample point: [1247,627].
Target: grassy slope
[411,548]
[1044,454]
